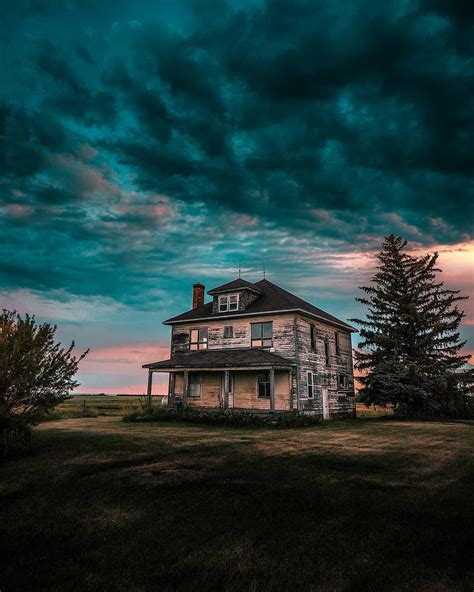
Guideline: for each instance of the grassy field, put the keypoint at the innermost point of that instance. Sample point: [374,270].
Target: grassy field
[96,405]
[368,504]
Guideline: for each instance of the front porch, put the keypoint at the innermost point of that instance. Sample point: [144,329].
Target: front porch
[217,379]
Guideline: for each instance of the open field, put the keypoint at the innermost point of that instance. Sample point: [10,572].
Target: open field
[96,405]
[368,504]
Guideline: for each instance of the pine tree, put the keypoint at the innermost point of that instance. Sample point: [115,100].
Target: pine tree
[410,350]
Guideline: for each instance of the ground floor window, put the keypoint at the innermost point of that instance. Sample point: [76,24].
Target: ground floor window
[194,389]
[310,385]
[263,385]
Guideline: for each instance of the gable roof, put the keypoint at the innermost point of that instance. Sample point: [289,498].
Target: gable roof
[273,300]
[221,358]
[238,284]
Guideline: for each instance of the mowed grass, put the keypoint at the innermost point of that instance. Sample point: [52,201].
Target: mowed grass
[368,504]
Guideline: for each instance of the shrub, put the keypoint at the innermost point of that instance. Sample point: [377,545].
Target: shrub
[15,437]
[36,374]
[223,417]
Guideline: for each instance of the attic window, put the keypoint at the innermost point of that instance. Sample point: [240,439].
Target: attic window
[228,302]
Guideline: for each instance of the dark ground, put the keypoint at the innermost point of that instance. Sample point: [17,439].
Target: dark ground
[367,504]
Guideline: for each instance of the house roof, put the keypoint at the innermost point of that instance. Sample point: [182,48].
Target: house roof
[238,284]
[272,300]
[221,358]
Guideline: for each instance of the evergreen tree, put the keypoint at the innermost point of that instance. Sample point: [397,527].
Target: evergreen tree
[410,350]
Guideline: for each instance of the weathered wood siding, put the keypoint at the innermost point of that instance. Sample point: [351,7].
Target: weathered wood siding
[341,402]
[283,334]
[245,390]
[210,389]
[292,340]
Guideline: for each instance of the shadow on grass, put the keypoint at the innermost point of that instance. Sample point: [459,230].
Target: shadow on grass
[223,509]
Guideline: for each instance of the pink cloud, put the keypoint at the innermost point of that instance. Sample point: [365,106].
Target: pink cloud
[118,368]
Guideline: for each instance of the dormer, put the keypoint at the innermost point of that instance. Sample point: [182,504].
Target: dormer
[234,296]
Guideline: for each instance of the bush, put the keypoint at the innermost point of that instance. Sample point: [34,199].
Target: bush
[224,417]
[15,437]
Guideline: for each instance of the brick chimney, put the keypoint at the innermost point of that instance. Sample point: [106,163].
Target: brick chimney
[198,295]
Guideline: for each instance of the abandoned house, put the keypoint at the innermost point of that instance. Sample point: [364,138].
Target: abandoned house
[257,347]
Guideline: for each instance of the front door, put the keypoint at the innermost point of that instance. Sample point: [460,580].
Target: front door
[325,402]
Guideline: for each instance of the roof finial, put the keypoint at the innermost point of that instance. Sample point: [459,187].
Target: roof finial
[239,270]
[264,269]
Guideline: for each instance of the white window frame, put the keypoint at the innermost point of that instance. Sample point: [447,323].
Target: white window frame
[228,302]
[310,385]
[230,329]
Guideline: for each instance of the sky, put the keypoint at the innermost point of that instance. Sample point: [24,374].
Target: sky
[149,145]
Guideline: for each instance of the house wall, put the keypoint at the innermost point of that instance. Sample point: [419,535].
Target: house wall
[291,339]
[283,334]
[245,390]
[340,401]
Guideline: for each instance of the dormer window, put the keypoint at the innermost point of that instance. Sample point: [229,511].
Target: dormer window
[228,302]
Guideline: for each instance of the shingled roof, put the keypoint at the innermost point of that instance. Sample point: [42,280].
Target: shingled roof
[273,299]
[221,358]
[238,284]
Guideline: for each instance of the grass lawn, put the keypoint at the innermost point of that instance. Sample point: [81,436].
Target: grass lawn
[368,504]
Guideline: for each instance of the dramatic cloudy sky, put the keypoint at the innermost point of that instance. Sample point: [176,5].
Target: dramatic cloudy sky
[147,145]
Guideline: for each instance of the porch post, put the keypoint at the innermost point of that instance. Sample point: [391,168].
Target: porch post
[272,389]
[185,385]
[171,389]
[226,389]
[149,387]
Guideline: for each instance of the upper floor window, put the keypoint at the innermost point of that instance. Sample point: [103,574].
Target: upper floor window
[312,334]
[198,338]
[262,334]
[194,386]
[228,332]
[263,385]
[336,337]
[228,302]
[341,381]
[310,385]
[326,351]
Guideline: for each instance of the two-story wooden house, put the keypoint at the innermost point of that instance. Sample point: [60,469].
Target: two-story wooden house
[259,347]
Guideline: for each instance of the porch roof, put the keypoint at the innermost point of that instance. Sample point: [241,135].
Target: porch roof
[222,358]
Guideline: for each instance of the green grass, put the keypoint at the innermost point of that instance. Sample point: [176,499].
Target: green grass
[351,505]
